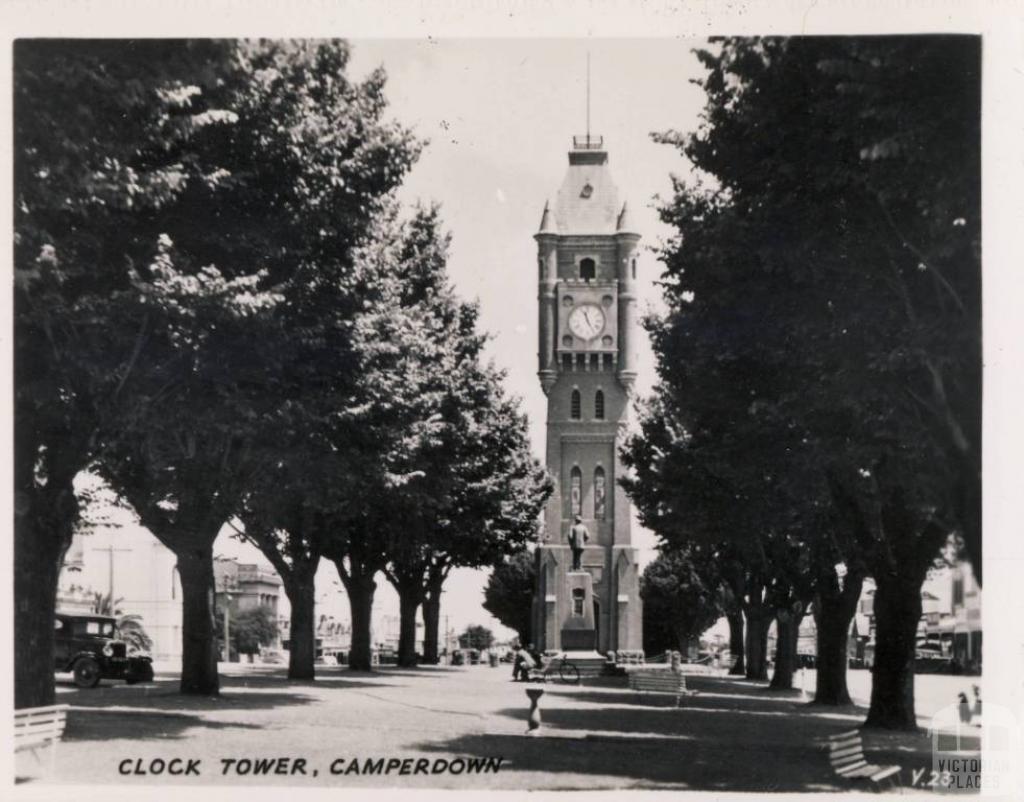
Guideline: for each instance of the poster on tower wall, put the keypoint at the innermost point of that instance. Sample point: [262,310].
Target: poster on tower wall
[580,398]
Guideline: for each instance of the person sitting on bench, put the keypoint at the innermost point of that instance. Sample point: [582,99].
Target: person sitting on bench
[522,664]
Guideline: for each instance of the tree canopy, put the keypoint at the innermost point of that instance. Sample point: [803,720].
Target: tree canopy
[180,205]
[682,598]
[508,595]
[820,361]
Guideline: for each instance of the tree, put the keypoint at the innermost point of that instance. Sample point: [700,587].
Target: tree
[476,636]
[103,605]
[303,160]
[285,531]
[132,631]
[508,595]
[824,313]
[253,629]
[100,130]
[434,458]
[680,587]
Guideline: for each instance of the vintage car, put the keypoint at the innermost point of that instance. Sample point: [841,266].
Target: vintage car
[90,648]
[929,659]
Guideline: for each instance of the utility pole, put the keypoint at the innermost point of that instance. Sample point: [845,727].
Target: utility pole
[227,585]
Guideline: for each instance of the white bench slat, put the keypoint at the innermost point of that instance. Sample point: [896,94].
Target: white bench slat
[42,729]
[33,712]
[848,761]
[39,727]
[888,771]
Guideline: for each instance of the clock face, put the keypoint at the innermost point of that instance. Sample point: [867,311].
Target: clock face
[586,321]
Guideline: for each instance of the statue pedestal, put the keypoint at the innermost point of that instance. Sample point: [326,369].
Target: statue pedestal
[579,630]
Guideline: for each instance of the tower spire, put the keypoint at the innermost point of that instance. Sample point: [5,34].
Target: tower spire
[588,97]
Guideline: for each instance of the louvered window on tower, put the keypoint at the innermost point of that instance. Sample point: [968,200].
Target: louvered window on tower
[574,405]
[599,405]
[588,270]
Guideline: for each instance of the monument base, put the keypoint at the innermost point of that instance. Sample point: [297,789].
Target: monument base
[579,640]
[579,629]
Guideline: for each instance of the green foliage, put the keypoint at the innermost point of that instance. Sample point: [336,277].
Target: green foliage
[476,636]
[102,604]
[131,630]
[820,361]
[252,629]
[681,594]
[824,323]
[435,462]
[508,595]
[186,211]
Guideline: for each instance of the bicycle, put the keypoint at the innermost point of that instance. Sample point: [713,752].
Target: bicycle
[567,670]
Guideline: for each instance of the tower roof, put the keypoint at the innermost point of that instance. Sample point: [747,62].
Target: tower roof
[588,200]
[625,222]
[547,223]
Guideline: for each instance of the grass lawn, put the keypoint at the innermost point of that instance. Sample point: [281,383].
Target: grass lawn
[734,735]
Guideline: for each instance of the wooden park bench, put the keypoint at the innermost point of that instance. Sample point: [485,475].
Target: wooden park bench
[660,680]
[36,728]
[846,754]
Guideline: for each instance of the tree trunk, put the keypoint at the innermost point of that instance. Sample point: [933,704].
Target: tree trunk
[832,615]
[408,605]
[40,542]
[302,652]
[756,645]
[431,629]
[360,587]
[199,637]
[44,520]
[787,627]
[897,608]
[735,620]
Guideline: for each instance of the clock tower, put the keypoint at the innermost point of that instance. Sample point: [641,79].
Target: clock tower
[586,263]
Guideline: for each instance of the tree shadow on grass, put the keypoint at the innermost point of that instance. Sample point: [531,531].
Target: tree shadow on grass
[699,763]
[701,701]
[101,724]
[737,726]
[710,743]
[165,695]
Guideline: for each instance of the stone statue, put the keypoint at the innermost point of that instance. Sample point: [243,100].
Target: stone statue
[578,537]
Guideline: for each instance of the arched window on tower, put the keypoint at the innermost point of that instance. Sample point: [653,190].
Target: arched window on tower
[634,268]
[574,405]
[599,493]
[576,491]
[599,405]
[588,270]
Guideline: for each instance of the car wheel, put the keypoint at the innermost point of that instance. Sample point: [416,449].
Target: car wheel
[87,673]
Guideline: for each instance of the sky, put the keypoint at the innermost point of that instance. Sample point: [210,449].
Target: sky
[498,117]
